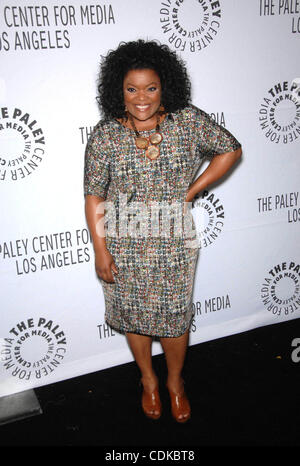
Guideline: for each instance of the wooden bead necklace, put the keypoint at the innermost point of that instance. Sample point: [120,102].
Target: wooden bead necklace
[150,145]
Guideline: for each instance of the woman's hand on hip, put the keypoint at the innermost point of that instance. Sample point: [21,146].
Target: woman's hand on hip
[188,199]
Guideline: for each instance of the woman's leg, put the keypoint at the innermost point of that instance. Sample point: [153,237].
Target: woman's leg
[140,346]
[175,351]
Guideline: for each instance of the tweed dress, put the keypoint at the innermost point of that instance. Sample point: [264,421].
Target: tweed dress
[157,251]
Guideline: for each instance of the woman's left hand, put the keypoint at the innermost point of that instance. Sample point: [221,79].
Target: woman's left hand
[189,197]
[216,169]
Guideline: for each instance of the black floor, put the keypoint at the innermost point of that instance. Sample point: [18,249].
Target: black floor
[244,391]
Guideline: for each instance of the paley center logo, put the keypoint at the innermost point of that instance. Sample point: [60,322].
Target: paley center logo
[22,144]
[279,113]
[190,25]
[209,217]
[280,290]
[33,348]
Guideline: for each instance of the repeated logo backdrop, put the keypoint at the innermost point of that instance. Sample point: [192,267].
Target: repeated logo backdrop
[242,59]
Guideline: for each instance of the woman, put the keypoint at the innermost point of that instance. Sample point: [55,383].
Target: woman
[145,152]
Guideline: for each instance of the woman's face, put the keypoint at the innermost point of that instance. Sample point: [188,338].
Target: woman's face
[142,94]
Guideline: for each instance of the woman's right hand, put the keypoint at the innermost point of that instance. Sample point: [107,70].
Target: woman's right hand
[104,265]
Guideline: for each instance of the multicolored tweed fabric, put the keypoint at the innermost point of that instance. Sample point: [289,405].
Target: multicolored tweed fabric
[152,293]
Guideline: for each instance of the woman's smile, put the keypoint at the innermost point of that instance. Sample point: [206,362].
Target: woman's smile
[142,108]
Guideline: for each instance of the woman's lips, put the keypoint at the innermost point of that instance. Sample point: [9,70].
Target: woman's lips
[142,108]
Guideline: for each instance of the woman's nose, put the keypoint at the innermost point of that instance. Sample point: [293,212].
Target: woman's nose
[141,96]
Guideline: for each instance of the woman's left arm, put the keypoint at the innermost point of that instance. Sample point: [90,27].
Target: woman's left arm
[217,168]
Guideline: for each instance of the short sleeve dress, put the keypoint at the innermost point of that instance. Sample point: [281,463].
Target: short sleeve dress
[146,233]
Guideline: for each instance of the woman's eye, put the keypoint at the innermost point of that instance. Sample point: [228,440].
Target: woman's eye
[130,89]
[152,89]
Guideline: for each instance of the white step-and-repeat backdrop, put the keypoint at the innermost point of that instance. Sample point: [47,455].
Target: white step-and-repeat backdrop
[243,59]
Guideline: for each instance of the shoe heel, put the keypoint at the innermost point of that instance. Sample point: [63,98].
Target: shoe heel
[180,406]
[151,402]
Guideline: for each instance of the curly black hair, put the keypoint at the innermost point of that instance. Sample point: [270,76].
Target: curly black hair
[140,54]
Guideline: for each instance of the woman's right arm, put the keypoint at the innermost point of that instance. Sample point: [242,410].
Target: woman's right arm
[104,262]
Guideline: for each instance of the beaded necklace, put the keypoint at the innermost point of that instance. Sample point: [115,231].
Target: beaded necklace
[150,145]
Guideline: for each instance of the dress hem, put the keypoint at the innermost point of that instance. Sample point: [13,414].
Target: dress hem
[122,331]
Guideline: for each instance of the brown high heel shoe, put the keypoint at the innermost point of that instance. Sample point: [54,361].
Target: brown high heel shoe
[151,403]
[180,406]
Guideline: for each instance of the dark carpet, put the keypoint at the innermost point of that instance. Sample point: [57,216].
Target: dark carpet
[244,391]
